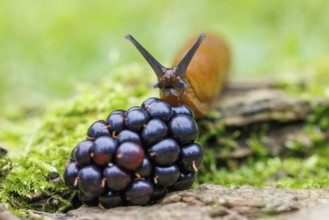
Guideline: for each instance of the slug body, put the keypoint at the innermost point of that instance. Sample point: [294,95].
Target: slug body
[199,73]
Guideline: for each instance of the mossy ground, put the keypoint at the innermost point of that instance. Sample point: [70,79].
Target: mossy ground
[41,145]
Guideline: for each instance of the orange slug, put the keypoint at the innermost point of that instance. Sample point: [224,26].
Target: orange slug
[199,72]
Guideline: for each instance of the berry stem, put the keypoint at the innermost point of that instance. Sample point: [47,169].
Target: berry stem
[114,136]
[90,138]
[194,166]
[103,182]
[76,180]
[155,180]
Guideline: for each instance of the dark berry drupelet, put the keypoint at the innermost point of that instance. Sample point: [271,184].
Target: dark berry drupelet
[154,131]
[82,152]
[72,159]
[184,181]
[71,175]
[165,152]
[136,117]
[116,178]
[145,169]
[128,136]
[111,199]
[89,200]
[97,129]
[90,180]
[159,109]
[166,176]
[184,129]
[129,155]
[159,192]
[103,150]
[135,157]
[139,192]
[182,110]
[149,101]
[116,121]
[191,157]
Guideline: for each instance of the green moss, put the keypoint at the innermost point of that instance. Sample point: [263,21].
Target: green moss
[298,173]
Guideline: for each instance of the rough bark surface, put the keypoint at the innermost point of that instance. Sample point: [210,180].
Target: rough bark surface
[211,202]
[6,215]
[262,110]
[217,202]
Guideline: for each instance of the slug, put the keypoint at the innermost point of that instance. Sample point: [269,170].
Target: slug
[198,76]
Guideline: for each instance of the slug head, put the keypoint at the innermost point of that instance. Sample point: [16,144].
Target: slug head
[170,80]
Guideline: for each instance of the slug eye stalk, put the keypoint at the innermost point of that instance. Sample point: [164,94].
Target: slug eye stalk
[170,80]
[156,66]
[182,66]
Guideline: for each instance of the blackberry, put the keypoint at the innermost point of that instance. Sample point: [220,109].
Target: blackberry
[135,157]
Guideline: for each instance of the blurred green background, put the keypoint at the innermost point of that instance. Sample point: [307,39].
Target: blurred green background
[53,50]
[48,47]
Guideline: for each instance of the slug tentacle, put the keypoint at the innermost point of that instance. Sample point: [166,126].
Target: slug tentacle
[156,66]
[182,66]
